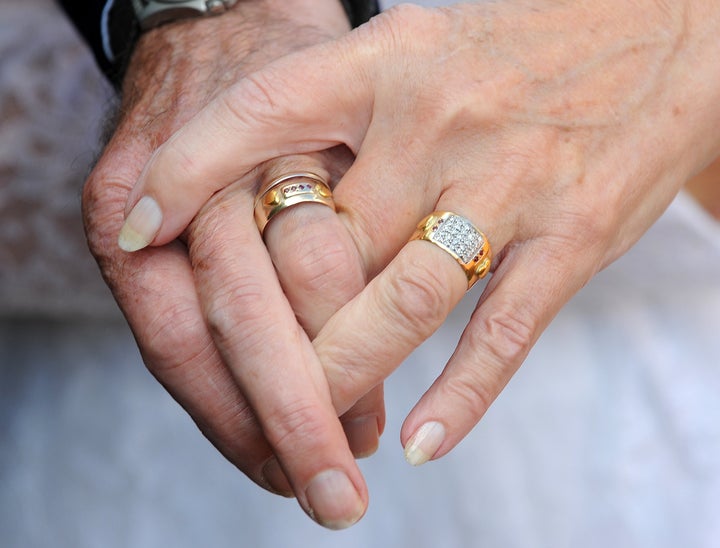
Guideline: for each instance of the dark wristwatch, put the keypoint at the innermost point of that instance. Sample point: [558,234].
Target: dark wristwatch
[124,20]
[151,13]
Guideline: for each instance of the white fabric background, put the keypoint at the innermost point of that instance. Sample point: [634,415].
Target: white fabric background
[608,436]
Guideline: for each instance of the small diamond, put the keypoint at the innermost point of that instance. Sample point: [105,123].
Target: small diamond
[460,236]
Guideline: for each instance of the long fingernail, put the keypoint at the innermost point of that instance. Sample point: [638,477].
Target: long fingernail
[424,443]
[141,226]
[334,501]
[276,478]
[362,435]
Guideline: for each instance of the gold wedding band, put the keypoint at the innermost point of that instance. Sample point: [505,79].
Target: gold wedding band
[461,239]
[289,190]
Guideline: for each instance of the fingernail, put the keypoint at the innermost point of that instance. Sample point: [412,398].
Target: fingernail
[424,443]
[362,435]
[334,502]
[141,226]
[276,478]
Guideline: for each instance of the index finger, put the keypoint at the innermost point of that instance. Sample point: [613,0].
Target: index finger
[266,115]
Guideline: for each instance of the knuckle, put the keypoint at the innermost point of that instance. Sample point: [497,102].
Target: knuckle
[207,235]
[321,267]
[348,379]
[171,157]
[233,310]
[256,100]
[103,204]
[597,230]
[583,233]
[404,29]
[504,337]
[292,423]
[417,295]
[260,90]
[164,342]
[507,334]
[415,32]
[226,425]
[402,22]
[470,392]
[320,261]
[232,292]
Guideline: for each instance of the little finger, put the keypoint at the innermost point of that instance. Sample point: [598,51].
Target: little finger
[526,292]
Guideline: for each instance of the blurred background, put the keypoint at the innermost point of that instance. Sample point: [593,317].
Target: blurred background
[52,101]
[612,441]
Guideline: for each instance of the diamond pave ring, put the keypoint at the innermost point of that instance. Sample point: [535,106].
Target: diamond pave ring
[459,237]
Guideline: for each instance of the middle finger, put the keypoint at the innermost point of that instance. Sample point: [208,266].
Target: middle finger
[320,270]
[272,359]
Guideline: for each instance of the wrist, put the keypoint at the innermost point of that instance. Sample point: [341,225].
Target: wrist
[176,68]
[121,29]
[265,28]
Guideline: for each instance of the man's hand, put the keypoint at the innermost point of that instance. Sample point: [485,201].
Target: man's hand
[214,324]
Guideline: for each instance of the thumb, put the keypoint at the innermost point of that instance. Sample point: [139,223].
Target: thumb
[310,100]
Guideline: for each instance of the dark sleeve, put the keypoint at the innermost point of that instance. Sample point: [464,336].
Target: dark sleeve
[94,20]
[359,11]
[98,22]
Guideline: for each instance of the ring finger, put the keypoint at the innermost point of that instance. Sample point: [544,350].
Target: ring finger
[318,264]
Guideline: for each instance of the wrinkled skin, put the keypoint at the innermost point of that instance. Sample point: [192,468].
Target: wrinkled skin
[167,294]
[561,129]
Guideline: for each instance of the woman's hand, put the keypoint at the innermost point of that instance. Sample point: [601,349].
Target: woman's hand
[560,129]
